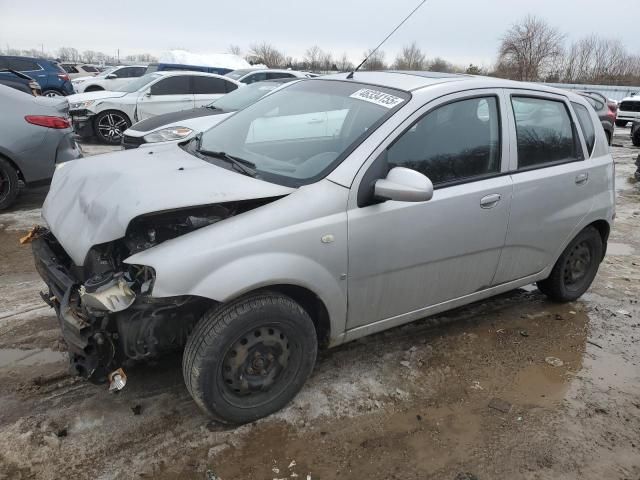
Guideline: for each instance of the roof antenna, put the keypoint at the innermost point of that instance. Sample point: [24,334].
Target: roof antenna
[350,76]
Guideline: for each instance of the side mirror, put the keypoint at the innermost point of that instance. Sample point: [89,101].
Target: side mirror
[111,76]
[147,93]
[404,185]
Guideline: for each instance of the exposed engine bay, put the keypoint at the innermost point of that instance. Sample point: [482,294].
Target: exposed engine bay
[106,311]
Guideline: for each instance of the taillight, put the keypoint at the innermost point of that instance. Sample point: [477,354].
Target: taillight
[48,122]
[63,76]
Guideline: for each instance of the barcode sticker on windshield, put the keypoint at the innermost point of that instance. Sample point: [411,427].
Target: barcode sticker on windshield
[376,96]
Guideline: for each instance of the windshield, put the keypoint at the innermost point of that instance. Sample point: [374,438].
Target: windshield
[139,82]
[236,74]
[243,97]
[298,134]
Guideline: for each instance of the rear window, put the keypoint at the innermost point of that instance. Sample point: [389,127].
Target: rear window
[208,85]
[23,64]
[89,68]
[544,132]
[586,124]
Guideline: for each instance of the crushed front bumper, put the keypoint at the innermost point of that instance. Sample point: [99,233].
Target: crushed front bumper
[82,121]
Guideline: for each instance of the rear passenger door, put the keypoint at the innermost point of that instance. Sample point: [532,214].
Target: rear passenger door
[552,182]
[207,89]
[169,94]
[407,256]
[31,68]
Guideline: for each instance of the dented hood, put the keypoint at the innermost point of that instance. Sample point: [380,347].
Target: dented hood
[92,200]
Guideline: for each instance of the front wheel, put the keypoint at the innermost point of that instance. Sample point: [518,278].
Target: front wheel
[110,125]
[575,269]
[248,359]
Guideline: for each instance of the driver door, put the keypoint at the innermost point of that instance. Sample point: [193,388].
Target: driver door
[407,256]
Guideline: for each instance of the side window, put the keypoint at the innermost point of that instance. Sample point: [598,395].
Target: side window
[89,68]
[138,71]
[457,141]
[255,77]
[230,86]
[208,85]
[23,65]
[69,68]
[127,72]
[272,75]
[544,132]
[584,119]
[178,85]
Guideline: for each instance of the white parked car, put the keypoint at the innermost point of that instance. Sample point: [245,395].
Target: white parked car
[78,70]
[183,125]
[251,75]
[108,114]
[628,111]
[111,79]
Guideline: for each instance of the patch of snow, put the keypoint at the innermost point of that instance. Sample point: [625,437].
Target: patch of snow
[21,220]
[220,60]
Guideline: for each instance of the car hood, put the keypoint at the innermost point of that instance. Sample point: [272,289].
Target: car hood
[184,118]
[99,95]
[91,201]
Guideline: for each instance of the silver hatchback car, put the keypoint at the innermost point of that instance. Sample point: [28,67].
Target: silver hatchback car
[332,209]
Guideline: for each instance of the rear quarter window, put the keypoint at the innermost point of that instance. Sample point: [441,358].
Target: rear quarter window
[586,125]
[544,132]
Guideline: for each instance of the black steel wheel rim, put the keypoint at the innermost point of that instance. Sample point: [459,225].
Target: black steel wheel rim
[112,126]
[577,264]
[255,363]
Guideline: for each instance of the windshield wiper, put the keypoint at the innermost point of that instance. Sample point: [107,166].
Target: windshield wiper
[239,164]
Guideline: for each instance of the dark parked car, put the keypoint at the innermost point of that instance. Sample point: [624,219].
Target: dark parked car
[21,82]
[53,80]
[35,135]
[635,133]
[605,112]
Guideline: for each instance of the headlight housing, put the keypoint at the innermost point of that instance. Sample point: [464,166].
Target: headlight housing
[168,134]
[81,105]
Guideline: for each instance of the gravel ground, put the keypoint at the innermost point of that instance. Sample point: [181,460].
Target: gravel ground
[514,387]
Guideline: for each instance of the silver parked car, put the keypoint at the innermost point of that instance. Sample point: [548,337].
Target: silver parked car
[35,135]
[329,210]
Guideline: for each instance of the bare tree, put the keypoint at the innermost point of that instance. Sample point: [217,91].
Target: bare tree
[375,61]
[530,48]
[312,57]
[344,64]
[89,56]
[327,62]
[411,58]
[474,70]
[441,65]
[267,54]
[69,54]
[235,49]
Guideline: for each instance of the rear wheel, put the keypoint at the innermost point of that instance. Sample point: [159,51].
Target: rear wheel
[51,93]
[248,359]
[8,184]
[575,269]
[110,125]
[636,137]
[621,123]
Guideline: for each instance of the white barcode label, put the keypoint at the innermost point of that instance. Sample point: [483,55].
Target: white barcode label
[376,96]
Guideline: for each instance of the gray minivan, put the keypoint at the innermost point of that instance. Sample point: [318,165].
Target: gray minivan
[329,210]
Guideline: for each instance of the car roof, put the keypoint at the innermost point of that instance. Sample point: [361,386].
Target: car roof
[416,80]
[172,73]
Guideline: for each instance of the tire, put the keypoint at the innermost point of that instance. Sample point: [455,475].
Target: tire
[93,88]
[609,137]
[636,138]
[218,371]
[575,269]
[51,93]
[8,184]
[621,123]
[110,125]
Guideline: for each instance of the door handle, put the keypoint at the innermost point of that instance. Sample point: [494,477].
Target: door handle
[315,120]
[582,178]
[490,201]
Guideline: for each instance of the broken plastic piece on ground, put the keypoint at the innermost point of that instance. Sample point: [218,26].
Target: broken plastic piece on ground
[117,380]
[34,233]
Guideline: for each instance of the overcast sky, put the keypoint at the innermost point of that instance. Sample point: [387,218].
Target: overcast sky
[462,31]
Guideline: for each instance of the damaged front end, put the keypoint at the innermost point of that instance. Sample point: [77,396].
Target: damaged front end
[105,307]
